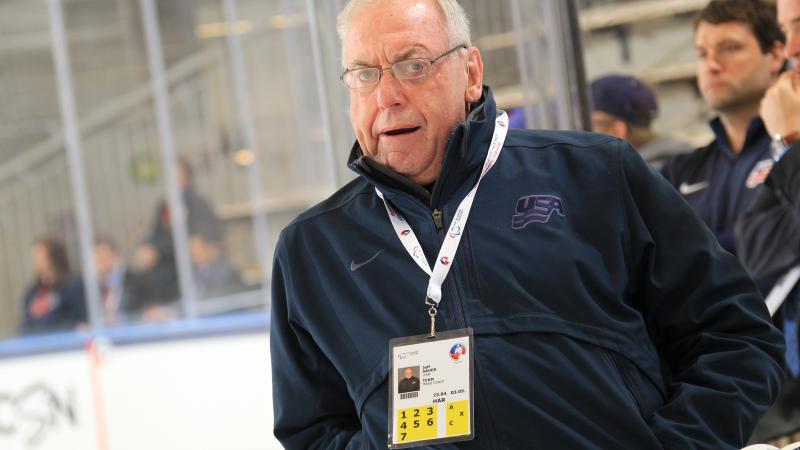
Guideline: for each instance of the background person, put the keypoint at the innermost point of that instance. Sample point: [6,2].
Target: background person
[156,256]
[769,232]
[122,292]
[739,47]
[214,276]
[625,107]
[55,300]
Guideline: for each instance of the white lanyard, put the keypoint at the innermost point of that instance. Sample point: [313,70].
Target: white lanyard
[451,240]
[781,289]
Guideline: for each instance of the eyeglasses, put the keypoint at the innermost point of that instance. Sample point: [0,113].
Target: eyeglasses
[407,69]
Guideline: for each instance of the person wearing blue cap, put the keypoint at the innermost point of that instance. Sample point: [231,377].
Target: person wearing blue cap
[625,107]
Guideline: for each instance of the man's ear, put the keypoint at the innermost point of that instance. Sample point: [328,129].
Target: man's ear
[778,58]
[474,89]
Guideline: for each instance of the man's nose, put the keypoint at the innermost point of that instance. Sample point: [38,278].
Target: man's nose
[711,64]
[390,91]
[793,45]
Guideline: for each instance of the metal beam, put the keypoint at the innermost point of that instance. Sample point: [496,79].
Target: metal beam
[161,96]
[69,117]
[617,14]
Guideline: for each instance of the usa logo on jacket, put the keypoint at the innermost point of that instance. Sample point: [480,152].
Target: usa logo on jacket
[536,209]
[759,173]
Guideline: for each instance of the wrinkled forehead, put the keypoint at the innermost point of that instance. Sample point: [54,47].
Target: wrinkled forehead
[378,30]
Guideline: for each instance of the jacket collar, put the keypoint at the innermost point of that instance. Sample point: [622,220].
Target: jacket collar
[466,150]
[756,131]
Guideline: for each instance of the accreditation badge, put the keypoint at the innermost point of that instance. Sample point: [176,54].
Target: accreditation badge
[431,389]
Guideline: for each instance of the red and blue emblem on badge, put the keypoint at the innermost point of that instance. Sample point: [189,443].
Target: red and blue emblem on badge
[457,351]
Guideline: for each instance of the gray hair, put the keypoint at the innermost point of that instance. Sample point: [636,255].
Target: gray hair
[455,17]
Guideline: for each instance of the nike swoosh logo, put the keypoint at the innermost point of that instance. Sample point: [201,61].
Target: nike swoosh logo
[686,188]
[355,266]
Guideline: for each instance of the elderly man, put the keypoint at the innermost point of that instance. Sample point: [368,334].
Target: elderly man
[409,383]
[586,306]
[769,232]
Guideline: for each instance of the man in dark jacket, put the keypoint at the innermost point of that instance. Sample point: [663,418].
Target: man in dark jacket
[740,52]
[409,383]
[769,232]
[156,256]
[604,314]
[122,293]
[625,107]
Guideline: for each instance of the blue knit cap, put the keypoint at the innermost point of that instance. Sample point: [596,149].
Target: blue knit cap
[625,97]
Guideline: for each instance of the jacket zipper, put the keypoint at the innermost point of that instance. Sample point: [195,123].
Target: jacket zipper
[466,264]
[437,219]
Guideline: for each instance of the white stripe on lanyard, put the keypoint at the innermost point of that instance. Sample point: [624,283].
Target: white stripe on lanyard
[781,289]
[451,240]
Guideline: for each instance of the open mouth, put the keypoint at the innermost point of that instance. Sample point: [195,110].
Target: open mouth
[400,131]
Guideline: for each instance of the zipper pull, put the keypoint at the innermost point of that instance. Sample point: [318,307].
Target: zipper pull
[437,219]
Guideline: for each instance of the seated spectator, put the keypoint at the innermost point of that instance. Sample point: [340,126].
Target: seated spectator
[739,47]
[161,279]
[625,107]
[213,274]
[123,294]
[55,300]
[156,256]
[769,232]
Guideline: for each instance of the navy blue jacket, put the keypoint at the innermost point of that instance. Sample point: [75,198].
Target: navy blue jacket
[614,321]
[718,184]
[68,311]
[769,231]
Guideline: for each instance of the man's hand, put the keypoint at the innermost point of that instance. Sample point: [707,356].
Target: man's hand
[780,107]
